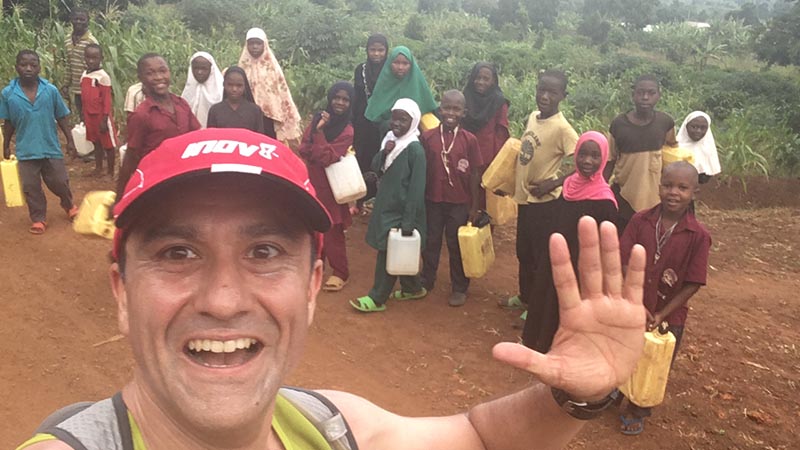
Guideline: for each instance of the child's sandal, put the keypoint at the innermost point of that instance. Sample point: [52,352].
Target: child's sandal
[38,228]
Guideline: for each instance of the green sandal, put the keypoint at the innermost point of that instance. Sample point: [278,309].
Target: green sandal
[400,295]
[366,304]
[511,303]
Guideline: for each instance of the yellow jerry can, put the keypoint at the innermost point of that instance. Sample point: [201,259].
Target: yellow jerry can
[477,250]
[502,210]
[501,173]
[670,155]
[12,185]
[428,121]
[648,383]
[93,214]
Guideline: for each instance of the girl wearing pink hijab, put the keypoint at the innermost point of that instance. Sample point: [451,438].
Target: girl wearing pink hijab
[585,193]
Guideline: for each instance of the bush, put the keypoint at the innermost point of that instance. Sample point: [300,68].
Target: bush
[204,15]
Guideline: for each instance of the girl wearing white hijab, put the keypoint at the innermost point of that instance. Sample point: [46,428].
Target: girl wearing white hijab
[399,203]
[203,85]
[695,135]
[270,90]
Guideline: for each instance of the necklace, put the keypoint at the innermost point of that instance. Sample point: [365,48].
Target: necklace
[661,239]
[446,151]
[364,76]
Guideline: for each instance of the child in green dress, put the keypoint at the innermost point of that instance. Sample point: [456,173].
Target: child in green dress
[399,203]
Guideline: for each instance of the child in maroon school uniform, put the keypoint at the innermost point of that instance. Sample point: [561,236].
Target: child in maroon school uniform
[487,114]
[97,111]
[452,192]
[324,142]
[677,247]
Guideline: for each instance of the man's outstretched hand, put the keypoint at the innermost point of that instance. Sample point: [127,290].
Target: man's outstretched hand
[600,334]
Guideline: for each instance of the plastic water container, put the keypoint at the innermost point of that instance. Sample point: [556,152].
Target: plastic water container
[12,185]
[93,217]
[83,146]
[346,180]
[647,385]
[402,253]
[670,155]
[122,149]
[428,121]
[501,209]
[477,250]
[501,173]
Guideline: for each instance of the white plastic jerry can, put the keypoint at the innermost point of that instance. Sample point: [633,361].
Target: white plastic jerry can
[93,217]
[346,180]
[648,383]
[83,146]
[403,253]
[477,250]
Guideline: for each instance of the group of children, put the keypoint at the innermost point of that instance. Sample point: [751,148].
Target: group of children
[429,182]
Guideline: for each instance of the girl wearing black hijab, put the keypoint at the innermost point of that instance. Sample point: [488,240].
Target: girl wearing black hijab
[325,141]
[367,137]
[487,112]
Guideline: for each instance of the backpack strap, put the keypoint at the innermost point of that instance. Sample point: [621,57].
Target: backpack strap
[99,425]
[324,415]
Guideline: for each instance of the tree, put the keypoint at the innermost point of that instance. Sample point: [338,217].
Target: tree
[634,13]
[542,14]
[747,14]
[780,43]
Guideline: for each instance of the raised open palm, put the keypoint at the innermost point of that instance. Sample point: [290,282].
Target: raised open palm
[600,334]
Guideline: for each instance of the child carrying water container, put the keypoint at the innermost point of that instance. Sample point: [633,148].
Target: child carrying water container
[452,192]
[486,115]
[31,108]
[97,110]
[695,135]
[399,203]
[585,193]
[677,247]
[548,141]
[325,141]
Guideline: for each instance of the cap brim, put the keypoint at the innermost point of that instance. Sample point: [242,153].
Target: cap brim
[314,213]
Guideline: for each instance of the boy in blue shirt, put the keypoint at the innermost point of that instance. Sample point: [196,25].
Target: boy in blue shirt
[31,107]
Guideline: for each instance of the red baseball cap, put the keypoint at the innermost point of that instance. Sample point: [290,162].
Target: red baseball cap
[203,153]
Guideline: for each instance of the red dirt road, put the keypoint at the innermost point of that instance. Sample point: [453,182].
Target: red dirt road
[734,385]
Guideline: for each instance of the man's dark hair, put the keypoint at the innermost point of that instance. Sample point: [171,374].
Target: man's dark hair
[646,77]
[27,52]
[144,58]
[93,45]
[78,11]
[556,74]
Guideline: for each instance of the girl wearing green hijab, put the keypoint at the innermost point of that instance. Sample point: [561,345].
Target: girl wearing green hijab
[399,78]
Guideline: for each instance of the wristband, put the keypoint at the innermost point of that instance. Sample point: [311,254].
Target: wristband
[583,410]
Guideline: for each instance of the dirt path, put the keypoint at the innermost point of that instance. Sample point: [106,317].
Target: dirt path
[734,386]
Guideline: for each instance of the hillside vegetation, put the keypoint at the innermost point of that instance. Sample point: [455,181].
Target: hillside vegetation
[755,106]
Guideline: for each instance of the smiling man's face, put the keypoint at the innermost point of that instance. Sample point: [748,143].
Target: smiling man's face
[218,291]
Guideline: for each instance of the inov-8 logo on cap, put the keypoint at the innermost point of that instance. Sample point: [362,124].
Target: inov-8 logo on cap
[266,151]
